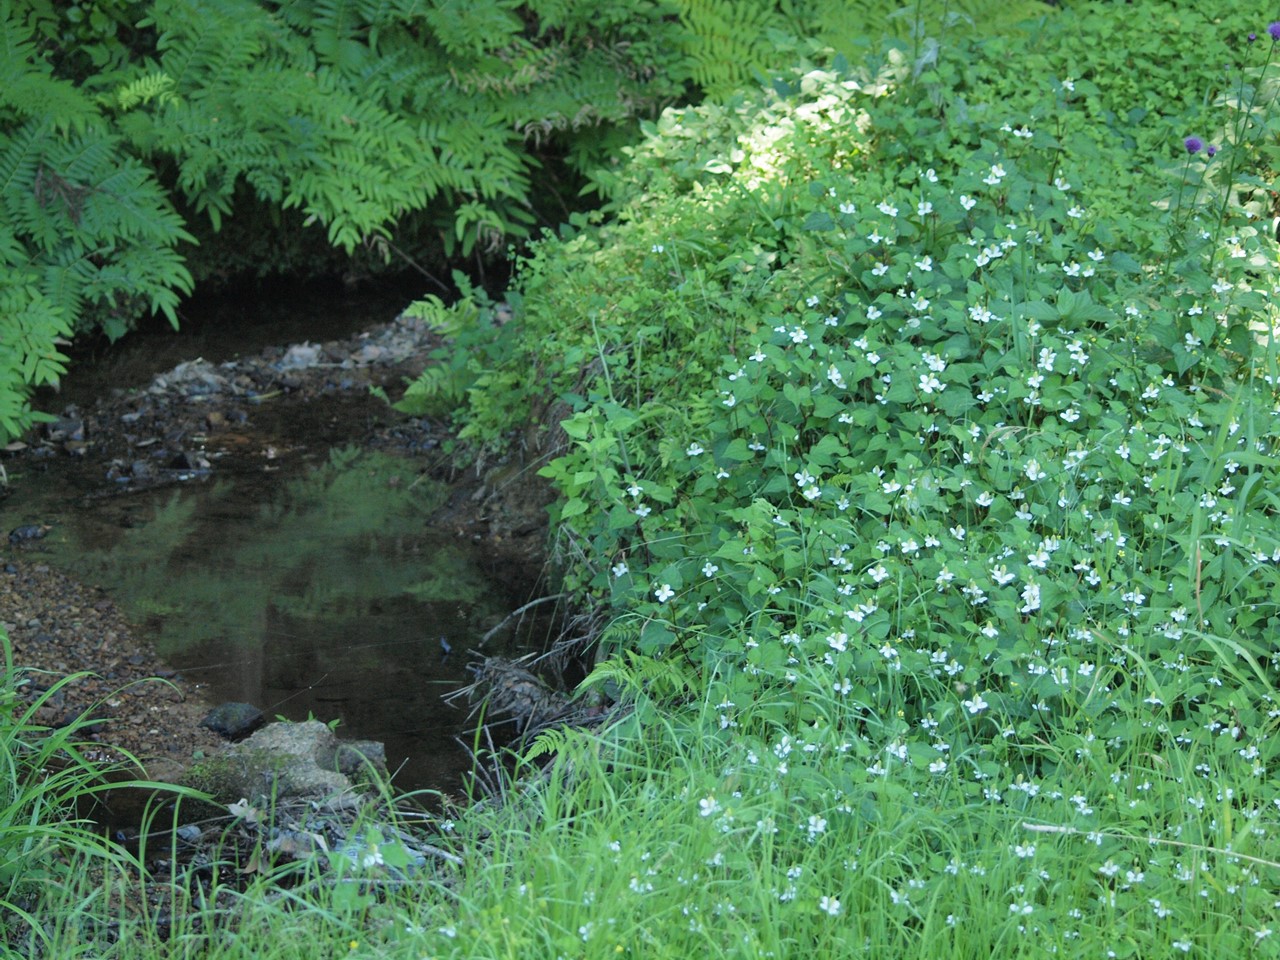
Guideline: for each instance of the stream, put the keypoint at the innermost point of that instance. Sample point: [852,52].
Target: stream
[314,570]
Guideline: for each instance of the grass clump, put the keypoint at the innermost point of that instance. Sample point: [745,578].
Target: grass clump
[49,845]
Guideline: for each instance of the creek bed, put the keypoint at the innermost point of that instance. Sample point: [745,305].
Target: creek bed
[315,568]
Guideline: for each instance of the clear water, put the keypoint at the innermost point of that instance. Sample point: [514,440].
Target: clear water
[323,582]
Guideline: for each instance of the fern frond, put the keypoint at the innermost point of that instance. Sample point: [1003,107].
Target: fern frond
[638,675]
[157,86]
[728,41]
[28,88]
[550,741]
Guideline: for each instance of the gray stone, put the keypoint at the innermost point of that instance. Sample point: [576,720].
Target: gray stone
[233,720]
[285,761]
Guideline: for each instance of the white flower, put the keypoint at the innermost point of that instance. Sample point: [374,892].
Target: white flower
[620,569]
[924,208]
[995,176]
[888,209]
[708,805]
[931,384]
[1030,598]
[976,705]
[709,569]
[967,202]
[829,906]
[694,449]
[642,511]
[664,593]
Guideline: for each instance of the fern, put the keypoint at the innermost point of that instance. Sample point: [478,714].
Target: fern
[156,86]
[551,741]
[89,231]
[730,40]
[28,88]
[639,676]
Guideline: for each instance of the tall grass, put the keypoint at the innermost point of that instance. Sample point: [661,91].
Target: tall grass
[54,857]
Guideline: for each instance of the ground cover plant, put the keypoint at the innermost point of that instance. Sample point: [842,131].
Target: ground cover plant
[966,547]
[920,446]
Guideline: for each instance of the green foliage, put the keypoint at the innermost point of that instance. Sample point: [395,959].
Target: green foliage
[345,116]
[478,340]
[945,479]
[88,235]
[731,42]
[922,439]
[46,783]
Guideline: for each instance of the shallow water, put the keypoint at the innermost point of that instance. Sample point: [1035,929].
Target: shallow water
[313,583]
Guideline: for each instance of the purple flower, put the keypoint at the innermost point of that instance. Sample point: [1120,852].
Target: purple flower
[1273,28]
[1193,144]
[1253,37]
[1211,149]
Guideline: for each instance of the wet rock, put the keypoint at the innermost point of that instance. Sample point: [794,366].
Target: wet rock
[353,756]
[233,720]
[300,356]
[67,427]
[284,761]
[195,378]
[28,532]
[185,460]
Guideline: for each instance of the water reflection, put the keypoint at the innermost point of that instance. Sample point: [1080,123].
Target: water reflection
[324,594]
